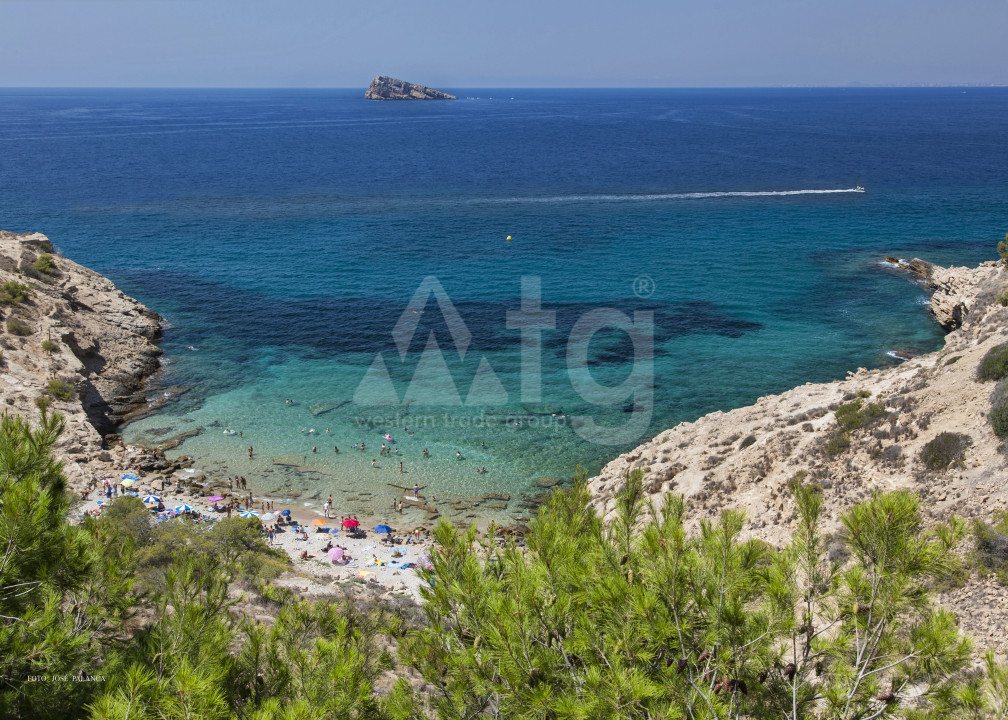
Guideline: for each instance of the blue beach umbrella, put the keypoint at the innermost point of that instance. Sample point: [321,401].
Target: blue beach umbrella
[131,493]
[250,513]
[285,513]
[382,529]
[183,508]
[151,499]
[129,476]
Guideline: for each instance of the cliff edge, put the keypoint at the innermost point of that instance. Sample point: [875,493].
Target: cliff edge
[855,436]
[388,88]
[67,333]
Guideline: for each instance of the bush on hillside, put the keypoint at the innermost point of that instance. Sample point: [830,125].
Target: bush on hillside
[998,414]
[990,555]
[13,292]
[44,263]
[60,389]
[994,365]
[855,415]
[16,326]
[947,450]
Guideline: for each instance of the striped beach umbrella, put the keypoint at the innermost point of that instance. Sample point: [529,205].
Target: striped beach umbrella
[250,513]
[151,499]
[183,508]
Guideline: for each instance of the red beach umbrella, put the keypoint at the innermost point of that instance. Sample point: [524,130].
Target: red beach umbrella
[350,523]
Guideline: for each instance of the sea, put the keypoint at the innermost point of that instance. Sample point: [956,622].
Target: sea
[505,289]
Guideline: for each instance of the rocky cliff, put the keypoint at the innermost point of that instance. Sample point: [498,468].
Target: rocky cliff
[387,88]
[745,458]
[69,335]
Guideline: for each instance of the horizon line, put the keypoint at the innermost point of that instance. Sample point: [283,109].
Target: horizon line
[848,86]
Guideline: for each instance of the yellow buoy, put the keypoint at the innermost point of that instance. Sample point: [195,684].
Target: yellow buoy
[509,238]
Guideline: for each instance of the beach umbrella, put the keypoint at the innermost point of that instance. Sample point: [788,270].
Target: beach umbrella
[268,517]
[132,493]
[128,481]
[250,513]
[183,508]
[350,523]
[151,499]
[129,476]
[335,553]
[382,529]
[317,521]
[215,498]
[285,513]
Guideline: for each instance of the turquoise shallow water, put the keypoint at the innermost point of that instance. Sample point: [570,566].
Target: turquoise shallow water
[283,236]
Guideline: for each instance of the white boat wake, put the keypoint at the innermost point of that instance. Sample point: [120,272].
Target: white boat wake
[652,197]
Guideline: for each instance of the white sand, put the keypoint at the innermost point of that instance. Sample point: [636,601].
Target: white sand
[372,561]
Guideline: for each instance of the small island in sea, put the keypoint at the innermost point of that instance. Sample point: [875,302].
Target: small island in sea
[384,87]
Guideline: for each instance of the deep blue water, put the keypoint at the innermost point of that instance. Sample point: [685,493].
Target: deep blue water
[282,234]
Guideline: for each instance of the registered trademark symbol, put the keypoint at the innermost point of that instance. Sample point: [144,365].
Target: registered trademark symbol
[643,286]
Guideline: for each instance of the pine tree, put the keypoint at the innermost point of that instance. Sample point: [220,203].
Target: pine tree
[63,591]
[640,618]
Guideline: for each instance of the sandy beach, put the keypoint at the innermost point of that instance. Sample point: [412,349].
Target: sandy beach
[387,567]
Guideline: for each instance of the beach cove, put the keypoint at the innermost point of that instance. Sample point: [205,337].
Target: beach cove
[283,253]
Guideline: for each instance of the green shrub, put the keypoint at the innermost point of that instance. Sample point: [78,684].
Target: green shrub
[994,365]
[854,415]
[60,389]
[13,292]
[837,443]
[864,394]
[998,414]
[953,359]
[953,577]
[18,327]
[236,543]
[796,480]
[49,346]
[749,440]
[1003,298]
[947,450]
[44,264]
[1002,248]
[991,546]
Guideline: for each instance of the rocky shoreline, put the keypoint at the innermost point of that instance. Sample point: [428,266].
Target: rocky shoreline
[71,336]
[745,458]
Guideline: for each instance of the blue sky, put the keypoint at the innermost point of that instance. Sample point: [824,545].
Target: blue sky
[503,43]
